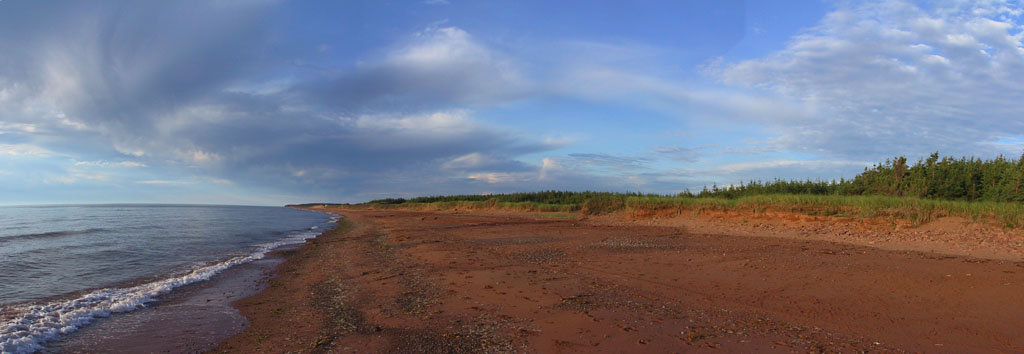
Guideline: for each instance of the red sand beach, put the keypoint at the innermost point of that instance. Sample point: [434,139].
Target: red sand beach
[432,282]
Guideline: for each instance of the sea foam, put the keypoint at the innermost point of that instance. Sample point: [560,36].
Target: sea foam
[34,325]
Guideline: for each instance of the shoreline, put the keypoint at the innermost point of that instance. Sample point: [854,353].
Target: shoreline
[445,281]
[184,310]
[193,318]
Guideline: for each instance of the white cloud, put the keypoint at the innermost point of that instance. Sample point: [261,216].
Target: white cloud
[185,181]
[442,123]
[220,181]
[17,127]
[129,151]
[548,171]
[679,98]
[495,177]
[110,164]
[75,175]
[442,65]
[199,156]
[24,150]
[882,78]
[549,167]
[161,182]
[60,180]
[467,161]
[441,46]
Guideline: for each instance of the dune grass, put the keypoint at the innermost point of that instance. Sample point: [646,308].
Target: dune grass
[916,210]
[978,189]
[490,204]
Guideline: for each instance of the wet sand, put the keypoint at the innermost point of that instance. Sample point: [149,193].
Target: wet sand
[191,319]
[433,282]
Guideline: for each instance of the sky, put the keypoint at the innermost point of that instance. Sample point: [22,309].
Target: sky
[272,102]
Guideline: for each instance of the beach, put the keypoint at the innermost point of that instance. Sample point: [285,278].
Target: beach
[192,319]
[450,281]
[508,176]
[136,278]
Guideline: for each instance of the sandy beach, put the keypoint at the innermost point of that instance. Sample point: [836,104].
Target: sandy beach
[511,176]
[449,282]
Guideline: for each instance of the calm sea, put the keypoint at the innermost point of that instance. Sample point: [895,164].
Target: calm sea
[61,267]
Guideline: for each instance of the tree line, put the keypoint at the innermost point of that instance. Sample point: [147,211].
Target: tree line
[965,178]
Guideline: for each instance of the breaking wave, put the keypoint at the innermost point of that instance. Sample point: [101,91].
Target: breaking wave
[29,327]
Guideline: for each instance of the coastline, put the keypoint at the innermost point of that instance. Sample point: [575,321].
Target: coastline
[181,308]
[193,318]
[445,281]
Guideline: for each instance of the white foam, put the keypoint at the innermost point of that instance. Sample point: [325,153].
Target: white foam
[35,325]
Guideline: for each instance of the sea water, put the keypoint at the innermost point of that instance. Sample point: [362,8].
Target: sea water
[62,267]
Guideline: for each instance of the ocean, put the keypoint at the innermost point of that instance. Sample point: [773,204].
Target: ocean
[63,267]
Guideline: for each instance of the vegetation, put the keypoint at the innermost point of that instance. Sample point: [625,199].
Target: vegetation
[946,178]
[999,179]
[932,187]
[545,197]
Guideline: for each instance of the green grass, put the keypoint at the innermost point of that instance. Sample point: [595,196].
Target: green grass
[916,210]
[973,188]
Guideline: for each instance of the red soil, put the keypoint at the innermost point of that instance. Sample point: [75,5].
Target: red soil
[404,281]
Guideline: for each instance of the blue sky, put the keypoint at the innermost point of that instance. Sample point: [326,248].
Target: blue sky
[273,102]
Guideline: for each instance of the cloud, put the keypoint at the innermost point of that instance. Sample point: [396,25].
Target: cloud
[211,93]
[75,175]
[436,67]
[161,182]
[110,164]
[475,162]
[220,181]
[494,177]
[467,161]
[645,82]
[759,167]
[683,154]
[881,78]
[440,124]
[183,87]
[23,150]
[96,78]
[607,161]
[7,128]
[549,167]
[186,181]
[142,83]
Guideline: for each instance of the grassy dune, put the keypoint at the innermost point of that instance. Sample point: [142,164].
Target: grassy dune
[916,210]
[913,209]
[989,190]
